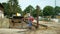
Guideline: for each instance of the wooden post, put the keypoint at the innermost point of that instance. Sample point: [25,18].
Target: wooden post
[37,20]
[37,9]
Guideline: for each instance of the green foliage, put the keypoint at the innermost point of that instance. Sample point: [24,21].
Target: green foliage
[11,8]
[29,9]
[48,11]
[34,13]
[14,5]
[6,8]
[57,10]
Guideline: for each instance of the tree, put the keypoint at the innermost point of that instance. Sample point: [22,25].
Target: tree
[34,13]
[6,8]
[11,8]
[57,10]
[48,11]
[29,9]
[14,5]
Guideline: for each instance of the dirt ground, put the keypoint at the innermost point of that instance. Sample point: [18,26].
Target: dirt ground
[53,28]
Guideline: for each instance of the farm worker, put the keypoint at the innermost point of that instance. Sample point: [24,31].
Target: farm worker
[30,19]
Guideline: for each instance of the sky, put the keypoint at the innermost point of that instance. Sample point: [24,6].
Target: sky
[42,3]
